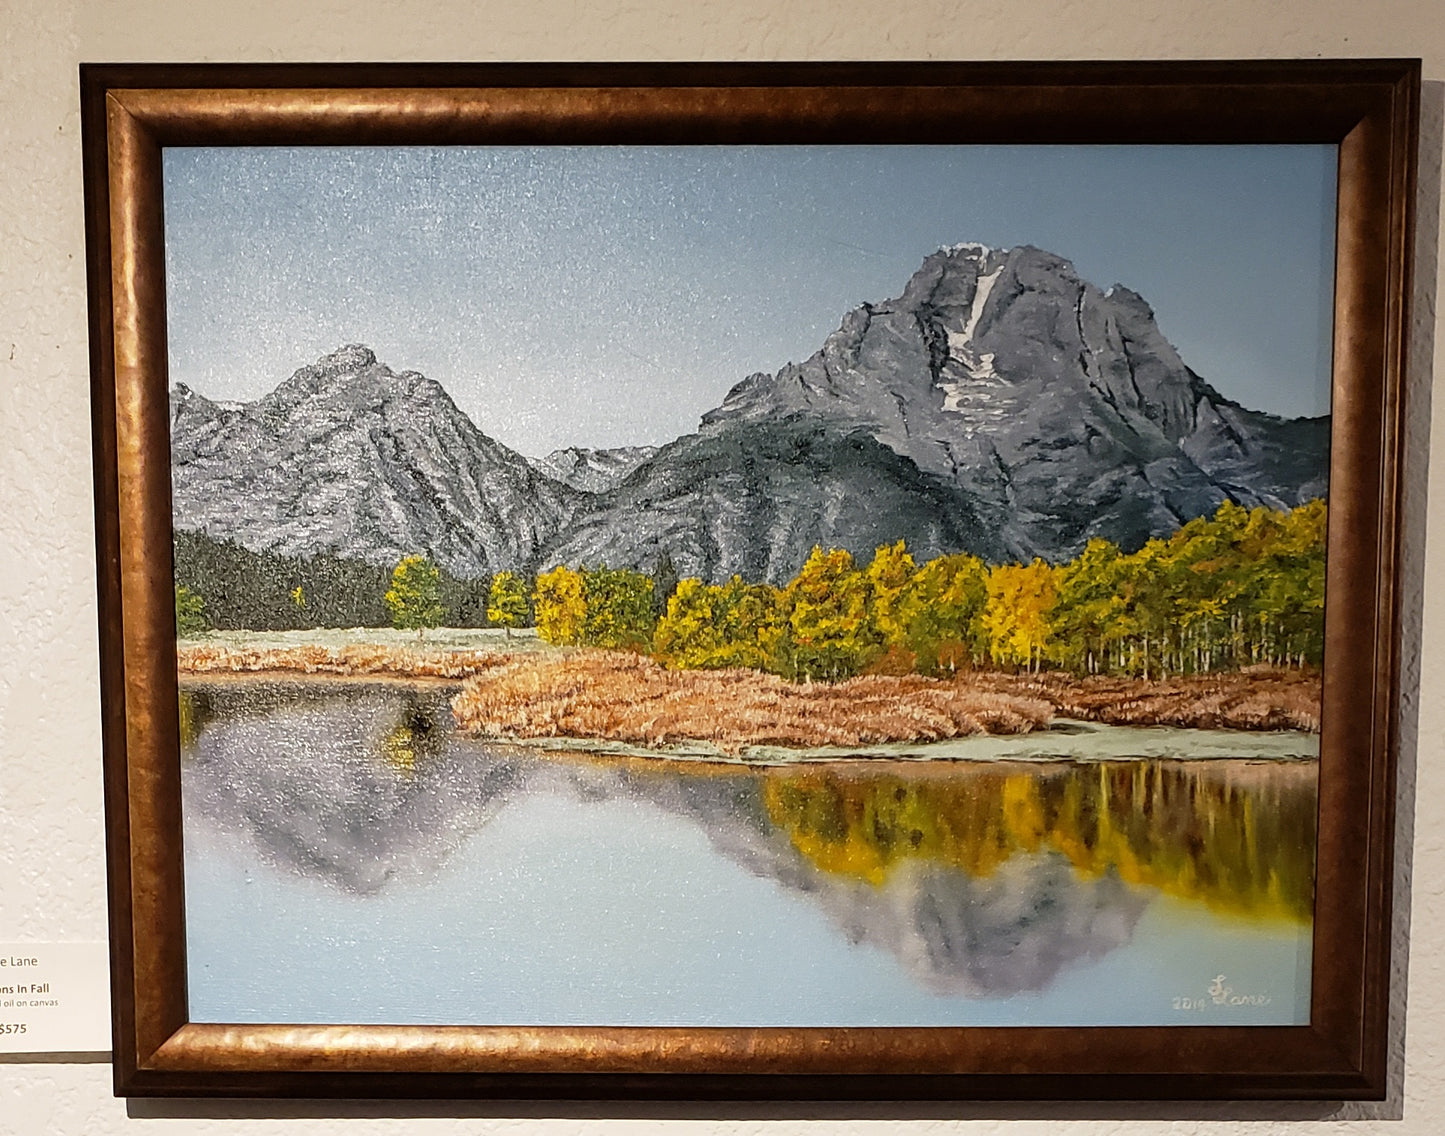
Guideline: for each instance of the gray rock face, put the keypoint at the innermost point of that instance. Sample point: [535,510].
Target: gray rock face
[592,471]
[1059,410]
[753,498]
[349,458]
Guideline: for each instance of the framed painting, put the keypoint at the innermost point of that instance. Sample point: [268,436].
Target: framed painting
[844,580]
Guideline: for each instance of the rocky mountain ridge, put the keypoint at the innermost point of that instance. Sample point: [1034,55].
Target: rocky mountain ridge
[1000,405]
[1061,410]
[592,471]
[350,458]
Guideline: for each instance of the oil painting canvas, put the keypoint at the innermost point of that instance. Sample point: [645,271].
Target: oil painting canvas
[750,585]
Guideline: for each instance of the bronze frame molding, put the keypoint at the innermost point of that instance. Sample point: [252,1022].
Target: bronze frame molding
[1368,108]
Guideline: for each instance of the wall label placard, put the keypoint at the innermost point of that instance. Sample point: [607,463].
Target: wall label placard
[54,998]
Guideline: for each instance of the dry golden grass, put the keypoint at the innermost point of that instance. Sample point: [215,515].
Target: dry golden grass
[621,697]
[629,698]
[361,660]
[1258,699]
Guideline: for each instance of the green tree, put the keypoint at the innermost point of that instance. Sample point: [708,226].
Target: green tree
[1286,597]
[507,605]
[465,600]
[254,591]
[1091,608]
[414,598]
[619,611]
[190,613]
[941,611]
[664,583]
[1240,587]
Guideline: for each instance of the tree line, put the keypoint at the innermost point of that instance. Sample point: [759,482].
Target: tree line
[1241,587]
[222,586]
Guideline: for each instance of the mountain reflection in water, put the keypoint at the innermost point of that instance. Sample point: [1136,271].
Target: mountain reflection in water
[351,784]
[979,879]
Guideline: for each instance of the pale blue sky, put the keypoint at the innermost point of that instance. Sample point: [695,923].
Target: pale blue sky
[603,296]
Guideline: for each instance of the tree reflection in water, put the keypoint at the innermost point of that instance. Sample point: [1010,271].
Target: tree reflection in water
[1237,836]
[993,879]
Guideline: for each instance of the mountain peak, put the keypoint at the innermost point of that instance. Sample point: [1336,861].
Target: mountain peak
[953,276]
[1059,409]
[351,356]
[350,458]
[350,375]
[967,248]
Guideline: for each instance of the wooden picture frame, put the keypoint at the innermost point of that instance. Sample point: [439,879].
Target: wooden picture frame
[1368,109]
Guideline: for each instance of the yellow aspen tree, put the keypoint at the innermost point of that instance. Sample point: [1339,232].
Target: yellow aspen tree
[889,575]
[414,598]
[560,605]
[1021,599]
[828,617]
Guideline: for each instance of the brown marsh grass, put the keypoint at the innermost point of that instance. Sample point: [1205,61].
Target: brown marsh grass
[352,661]
[1256,699]
[629,698]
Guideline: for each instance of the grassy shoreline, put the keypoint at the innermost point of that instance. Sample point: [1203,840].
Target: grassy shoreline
[631,699]
[520,689]
[1061,740]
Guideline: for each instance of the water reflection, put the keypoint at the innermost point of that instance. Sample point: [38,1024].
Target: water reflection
[1237,836]
[354,784]
[979,879]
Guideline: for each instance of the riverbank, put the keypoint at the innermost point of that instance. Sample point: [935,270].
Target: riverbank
[628,701]
[523,689]
[443,653]
[357,661]
[1062,739]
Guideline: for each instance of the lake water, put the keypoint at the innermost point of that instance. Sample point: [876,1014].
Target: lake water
[351,859]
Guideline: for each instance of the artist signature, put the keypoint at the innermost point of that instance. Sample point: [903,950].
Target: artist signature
[1220,993]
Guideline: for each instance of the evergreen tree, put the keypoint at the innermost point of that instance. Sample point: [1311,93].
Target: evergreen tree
[464,600]
[255,591]
[664,583]
[190,613]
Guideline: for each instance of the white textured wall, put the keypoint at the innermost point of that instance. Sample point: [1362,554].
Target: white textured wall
[51,863]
